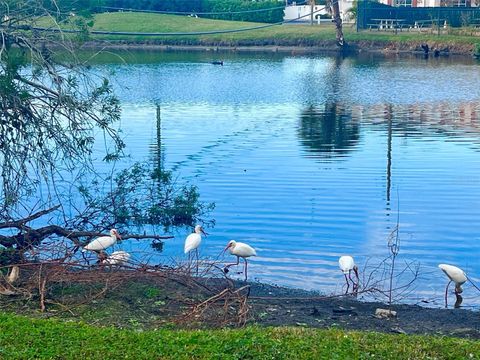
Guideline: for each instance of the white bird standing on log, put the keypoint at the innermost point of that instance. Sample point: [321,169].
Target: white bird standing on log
[240,250]
[347,264]
[456,275]
[193,241]
[103,242]
[117,258]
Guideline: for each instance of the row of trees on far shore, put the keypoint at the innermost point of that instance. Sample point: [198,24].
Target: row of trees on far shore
[193,6]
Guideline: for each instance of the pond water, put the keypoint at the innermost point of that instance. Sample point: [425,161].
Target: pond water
[310,157]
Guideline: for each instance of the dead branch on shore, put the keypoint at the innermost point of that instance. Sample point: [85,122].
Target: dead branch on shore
[229,306]
[67,285]
[28,237]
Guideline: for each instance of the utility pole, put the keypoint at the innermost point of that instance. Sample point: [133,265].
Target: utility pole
[312,5]
[337,21]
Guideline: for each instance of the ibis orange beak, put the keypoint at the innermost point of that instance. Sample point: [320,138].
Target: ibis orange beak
[226,248]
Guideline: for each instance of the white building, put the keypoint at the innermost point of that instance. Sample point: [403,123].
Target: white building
[301,13]
[430,3]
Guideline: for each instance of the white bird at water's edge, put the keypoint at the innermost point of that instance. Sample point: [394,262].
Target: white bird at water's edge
[456,275]
[347,264]
[103,242]
[193,241]
[117,258]
[240,250]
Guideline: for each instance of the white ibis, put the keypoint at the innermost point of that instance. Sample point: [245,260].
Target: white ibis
[193,241]
[240,250]
[117,258]
[14,274]
[456,275]
[347,264]
[103,242]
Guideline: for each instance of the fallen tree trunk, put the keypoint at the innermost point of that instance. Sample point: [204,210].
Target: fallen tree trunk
[29,237]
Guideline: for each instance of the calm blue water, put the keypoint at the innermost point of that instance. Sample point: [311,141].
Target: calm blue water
[309,157]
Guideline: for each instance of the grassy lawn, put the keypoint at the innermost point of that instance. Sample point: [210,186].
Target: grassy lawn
[295,35]
[141,22]
[22,338]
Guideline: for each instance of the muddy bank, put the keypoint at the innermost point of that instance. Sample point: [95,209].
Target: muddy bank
[413,47]
[289,307]
[150,300]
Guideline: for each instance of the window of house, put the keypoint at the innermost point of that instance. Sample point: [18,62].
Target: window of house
[404,3]
[455,3]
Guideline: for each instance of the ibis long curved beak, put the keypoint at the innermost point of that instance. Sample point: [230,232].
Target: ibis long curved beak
[226,248]
[118,236]
[203,232]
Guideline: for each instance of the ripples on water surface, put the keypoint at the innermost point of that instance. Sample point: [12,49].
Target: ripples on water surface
[309,157]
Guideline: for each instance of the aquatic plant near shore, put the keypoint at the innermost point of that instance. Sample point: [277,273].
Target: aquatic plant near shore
[476,50]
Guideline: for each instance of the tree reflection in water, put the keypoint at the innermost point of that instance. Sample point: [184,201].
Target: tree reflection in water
[328,131]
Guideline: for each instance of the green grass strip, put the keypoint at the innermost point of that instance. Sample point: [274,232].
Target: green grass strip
[25,338]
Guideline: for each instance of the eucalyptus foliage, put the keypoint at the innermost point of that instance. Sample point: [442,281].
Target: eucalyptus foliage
[49,108]
[53,108]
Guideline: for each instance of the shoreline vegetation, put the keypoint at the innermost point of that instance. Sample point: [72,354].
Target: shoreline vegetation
[291,38]
[144,298]
[145,317]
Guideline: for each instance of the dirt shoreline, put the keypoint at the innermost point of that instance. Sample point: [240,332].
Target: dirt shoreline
[150,300]
[293,307]
[412,47]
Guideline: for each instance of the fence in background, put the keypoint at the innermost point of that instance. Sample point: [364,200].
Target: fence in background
[370,14]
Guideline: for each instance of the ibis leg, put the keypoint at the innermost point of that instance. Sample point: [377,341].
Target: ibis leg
[196,253]
[348,283]
[446,293]
[246,268]
[232,264]
[354,284]
[85,258]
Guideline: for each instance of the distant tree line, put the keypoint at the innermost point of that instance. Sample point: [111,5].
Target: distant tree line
[192,6]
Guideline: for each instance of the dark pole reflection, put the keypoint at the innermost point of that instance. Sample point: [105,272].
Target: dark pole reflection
[389,153]
[156,146]
[158,153]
